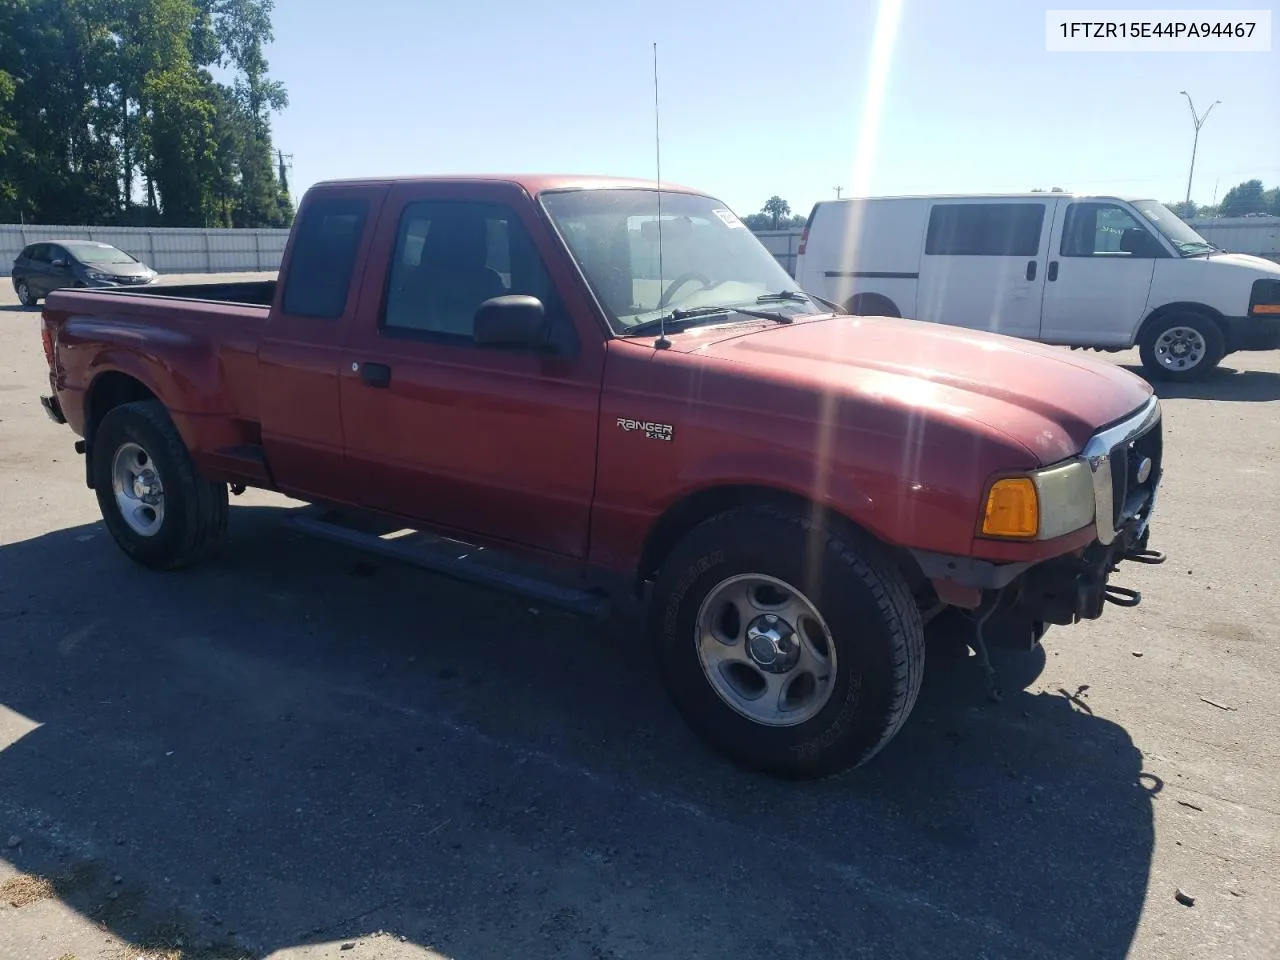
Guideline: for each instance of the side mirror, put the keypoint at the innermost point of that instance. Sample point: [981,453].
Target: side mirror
[512,321]
[1139,243]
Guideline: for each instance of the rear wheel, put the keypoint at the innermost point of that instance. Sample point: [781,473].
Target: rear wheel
[787,647]
[158,508]
[25,296]
[1182,346]
[872,305]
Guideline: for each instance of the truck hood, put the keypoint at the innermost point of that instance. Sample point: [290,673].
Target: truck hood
[1047,399]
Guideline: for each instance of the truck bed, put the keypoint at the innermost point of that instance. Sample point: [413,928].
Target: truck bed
[201,354]
[258,293]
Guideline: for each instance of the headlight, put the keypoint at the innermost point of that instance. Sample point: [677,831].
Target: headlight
[94,275]
[1040,505]
[1265,298]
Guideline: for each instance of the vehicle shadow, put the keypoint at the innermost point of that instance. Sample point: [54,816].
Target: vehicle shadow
[1224,383]
[295,744]
[17,308]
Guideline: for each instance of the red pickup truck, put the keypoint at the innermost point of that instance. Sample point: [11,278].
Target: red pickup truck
[608,387]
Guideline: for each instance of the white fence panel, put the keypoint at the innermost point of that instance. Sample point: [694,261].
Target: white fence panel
[166,249]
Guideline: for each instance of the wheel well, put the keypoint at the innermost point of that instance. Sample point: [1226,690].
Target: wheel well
[1159,313]
[872,305]
[110,390]
[682,517]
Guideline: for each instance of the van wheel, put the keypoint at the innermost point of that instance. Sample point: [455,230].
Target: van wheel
[872,305]
[25,296]
[1182,346]
[158,508]
[787,647]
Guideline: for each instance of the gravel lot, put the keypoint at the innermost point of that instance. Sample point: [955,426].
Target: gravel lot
[292,749]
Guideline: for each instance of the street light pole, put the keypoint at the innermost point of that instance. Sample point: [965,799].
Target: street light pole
[1199,122]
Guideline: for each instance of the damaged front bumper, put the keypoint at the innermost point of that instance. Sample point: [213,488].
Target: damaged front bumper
[1125,461]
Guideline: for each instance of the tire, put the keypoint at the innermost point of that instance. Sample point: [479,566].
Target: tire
[25,296]
[1182,347]
[189,517]
[871,623]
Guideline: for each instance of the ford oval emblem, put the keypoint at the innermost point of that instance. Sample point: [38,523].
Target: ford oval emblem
[1144,470]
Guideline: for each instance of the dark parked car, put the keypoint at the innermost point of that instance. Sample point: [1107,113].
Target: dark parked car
[44,267]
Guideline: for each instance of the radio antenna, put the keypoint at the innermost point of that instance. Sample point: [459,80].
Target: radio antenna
[662,342]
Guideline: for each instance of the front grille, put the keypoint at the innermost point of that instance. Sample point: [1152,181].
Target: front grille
[1128,494]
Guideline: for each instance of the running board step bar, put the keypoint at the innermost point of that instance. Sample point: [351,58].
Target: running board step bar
[452,558]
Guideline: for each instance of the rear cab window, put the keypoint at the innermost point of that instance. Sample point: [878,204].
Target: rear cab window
[984,229]
[325,248]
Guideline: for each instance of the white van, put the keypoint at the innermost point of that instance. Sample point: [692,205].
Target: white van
[1083,271]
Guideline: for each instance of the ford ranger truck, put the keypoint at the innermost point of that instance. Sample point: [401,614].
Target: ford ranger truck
[616,403]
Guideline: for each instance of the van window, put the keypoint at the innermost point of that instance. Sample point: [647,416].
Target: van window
[984,229]
[1098,230]
[323,258]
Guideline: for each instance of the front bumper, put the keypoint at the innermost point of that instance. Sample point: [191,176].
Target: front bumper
[1125,462]
[1260,332]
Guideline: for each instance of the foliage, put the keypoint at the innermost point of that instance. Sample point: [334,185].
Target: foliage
[1242,200]
[109,113]
[774,215]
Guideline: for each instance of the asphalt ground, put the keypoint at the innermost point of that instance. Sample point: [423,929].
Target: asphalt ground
[294,748]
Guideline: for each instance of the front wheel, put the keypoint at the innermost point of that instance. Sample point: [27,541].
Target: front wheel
[787,647]
[156,505]
[1182,346]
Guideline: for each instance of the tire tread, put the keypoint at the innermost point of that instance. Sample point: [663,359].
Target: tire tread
[206,520]
[865,559]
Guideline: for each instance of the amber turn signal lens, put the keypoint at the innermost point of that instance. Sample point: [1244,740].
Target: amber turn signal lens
[1013,509]
[1267,308]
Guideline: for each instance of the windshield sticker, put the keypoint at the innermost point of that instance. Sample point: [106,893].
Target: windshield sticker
[729,218]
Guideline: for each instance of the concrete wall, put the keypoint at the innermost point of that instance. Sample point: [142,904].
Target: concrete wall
[167,250]
[784,245]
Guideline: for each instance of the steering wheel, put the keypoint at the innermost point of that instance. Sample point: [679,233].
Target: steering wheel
[679,282]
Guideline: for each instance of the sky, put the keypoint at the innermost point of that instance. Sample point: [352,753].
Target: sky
[760,98]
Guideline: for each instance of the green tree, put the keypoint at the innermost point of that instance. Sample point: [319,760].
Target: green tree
[243,28]
[1247,197]
[775,208]
[99,96]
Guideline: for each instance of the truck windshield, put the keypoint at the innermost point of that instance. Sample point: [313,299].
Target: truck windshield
[708,256]
[1185,240]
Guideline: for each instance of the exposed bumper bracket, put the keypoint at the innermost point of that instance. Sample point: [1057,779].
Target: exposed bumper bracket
[53,409]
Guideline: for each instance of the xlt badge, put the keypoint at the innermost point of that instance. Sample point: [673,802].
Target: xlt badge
[651,430]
